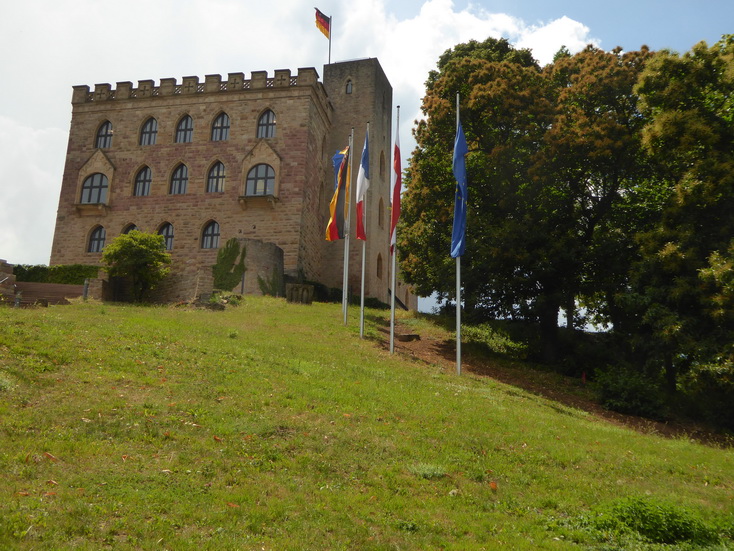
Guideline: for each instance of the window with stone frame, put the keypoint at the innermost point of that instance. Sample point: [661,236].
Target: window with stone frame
[185,130]
[130,227]
[94,189]
[266,125]
[220,128]
[210,236]
[149,132]
[104,136]
[143,179]
[179,180]
[166,230]
[215,180]
[260,181]
[96,240]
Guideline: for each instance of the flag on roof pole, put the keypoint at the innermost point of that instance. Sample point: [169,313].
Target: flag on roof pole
[323,23]
[458,233]
[363,184]
[397,185]
[339,202]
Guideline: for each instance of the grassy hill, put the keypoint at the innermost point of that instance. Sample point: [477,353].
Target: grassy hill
[272,426]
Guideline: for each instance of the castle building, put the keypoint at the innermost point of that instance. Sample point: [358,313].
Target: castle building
[203,162]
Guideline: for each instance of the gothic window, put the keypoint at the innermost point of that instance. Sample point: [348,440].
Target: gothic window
[381,214]
[166,230]
[185,129]
[260,180]
[130,227]
[349,86]
[96,240]
[210,236]
[220,128]
[179,180]
[142,182]
[94,189]
[149,132]
[379,266]
[104,136]
[215,181]
[266,125]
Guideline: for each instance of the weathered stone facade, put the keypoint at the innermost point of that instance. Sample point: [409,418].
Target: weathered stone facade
[311,121]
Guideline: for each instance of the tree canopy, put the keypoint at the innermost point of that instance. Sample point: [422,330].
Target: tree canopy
[604,180]
[139,256]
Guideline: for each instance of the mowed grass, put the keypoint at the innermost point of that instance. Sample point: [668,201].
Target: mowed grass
[272,426]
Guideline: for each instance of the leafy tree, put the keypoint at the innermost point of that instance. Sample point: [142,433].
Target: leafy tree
[554,154]
[682,283]
[228,271]
[139,256]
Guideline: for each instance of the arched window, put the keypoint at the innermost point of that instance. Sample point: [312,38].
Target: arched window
[149,132]
[127,229]
[210,236]
[215,180]
[260,180]
[94,189]
[266,125]
[142,182]
[381,213]
[379,266]
[185,129]
[348,88]
[382,165]
[104,136]
[166,230]
[220,128]
[179,180]
[96,240]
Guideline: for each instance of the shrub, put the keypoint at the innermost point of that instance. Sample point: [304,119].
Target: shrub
[73,274]
[657,521]
[622,389]
[711,389]
[228,271]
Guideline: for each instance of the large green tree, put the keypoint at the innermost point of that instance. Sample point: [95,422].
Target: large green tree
[554,157]
[140,257]
[682,284]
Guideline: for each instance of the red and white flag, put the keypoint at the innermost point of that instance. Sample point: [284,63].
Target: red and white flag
[363,184]
[397,185]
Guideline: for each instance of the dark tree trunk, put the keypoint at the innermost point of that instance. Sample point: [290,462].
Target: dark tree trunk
[548,318]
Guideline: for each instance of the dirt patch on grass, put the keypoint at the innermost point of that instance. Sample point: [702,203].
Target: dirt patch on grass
[571,392]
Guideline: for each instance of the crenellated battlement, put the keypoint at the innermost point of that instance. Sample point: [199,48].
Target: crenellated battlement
[190,85]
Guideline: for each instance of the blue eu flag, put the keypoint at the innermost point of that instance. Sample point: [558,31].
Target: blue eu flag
[458,234]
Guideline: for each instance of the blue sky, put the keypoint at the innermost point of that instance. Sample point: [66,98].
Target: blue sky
[51,45]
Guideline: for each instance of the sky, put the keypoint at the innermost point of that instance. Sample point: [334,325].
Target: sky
[48,46]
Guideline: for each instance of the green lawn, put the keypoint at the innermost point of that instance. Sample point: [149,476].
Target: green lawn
[272,426]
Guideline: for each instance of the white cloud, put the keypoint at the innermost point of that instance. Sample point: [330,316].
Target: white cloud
[31,164]
[60,43]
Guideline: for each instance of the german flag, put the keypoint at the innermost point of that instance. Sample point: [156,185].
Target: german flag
[323,23]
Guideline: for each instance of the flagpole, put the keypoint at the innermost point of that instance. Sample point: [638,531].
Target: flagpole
[458,280]
[393,263]
[345,289]
[364,252]
[331,27]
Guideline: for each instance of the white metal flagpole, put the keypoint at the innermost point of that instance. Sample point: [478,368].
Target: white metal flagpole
[345,289]
[458,280]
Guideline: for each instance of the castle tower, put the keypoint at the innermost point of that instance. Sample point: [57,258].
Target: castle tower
[360,93]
